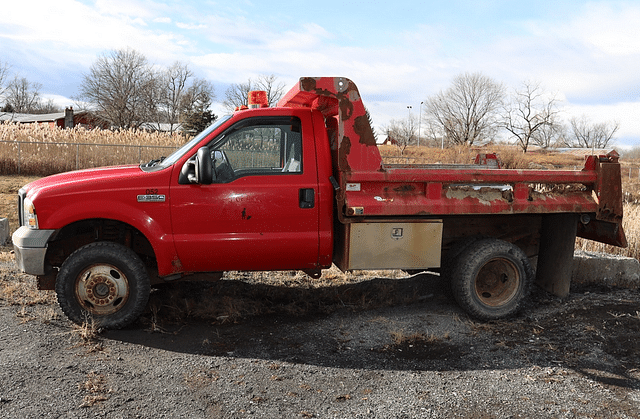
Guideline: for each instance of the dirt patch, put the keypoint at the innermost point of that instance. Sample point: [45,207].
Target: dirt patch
[9,187]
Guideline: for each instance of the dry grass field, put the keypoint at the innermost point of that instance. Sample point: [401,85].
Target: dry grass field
[40,151]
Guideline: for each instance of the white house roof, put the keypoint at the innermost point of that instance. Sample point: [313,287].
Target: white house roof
[26,117]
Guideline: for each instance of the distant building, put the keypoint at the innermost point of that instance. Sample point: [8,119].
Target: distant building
[66,119]
[161,127]
[389,141]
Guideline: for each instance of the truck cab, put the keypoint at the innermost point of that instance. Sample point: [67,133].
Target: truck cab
[256,195]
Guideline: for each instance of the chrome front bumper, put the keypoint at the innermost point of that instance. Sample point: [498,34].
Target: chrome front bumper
[30,248]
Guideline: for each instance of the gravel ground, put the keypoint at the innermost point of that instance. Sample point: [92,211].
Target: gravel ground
[571,358]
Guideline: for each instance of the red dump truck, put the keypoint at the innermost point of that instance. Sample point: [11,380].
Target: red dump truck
[300,186]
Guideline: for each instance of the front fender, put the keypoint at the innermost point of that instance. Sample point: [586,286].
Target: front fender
[152,219]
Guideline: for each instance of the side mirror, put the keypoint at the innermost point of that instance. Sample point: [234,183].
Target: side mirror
[204,166]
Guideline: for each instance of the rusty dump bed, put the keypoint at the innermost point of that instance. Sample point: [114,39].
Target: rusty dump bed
[369,189]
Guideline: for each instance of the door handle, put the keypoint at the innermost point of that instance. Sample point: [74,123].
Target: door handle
[307,198]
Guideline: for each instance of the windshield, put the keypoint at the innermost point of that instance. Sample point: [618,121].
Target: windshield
[173,157]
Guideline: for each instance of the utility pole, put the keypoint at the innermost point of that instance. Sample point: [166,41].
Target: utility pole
[409,124]
[419,123]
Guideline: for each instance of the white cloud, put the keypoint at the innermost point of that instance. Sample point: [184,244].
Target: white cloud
[612,28]
[81,32]
[60,101]
[593,53]
[190,26]
[624,113]
[145,9]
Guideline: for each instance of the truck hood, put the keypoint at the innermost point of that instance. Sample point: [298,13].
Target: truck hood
[69,182]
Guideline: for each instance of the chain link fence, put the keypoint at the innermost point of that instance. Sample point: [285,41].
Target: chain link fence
[45,158]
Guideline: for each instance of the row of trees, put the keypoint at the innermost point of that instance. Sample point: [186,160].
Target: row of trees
[475,108]
[17,94]
[126,90]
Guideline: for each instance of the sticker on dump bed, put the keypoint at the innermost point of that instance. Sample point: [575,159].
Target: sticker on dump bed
[353,187]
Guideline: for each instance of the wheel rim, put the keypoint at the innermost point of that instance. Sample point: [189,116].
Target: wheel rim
[497,282]
[102,289]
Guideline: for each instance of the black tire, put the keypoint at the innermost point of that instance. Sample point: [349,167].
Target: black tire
[451,259]
[491,279]
[104,281]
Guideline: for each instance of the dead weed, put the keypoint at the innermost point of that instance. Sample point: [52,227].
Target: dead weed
[96,389]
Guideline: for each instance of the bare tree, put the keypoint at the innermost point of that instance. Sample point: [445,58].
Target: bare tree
[237,94]
[550,135]
[271,85]
[466,112]
[199,95]
[47,106]
[586,134]
[528,111]
[402,132]
[173,86]
[22,95]
[122,87]
[433,134]
[4,76]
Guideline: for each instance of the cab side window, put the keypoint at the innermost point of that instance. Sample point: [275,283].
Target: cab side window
[261,146]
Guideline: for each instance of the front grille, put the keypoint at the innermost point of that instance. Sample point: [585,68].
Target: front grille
[21,194]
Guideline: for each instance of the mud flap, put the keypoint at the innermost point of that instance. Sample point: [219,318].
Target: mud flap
[555,257]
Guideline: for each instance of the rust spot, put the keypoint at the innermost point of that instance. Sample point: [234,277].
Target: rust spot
[507,196]
[346,107]
[343,153]
[332,132]
[404,189]
[363,129]
[307,84]
[177,264]
[244,214]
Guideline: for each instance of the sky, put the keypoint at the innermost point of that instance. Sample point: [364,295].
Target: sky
[586,54]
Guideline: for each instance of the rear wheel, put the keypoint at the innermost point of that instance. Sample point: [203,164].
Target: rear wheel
[491,278]
[104,281]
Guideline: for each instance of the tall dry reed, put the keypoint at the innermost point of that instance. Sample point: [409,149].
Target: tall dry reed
[32,149]
[631,226]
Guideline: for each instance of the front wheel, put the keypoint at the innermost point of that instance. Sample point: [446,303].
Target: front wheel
[491,278]
[105,281]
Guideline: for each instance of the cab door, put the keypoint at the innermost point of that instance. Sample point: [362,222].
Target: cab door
[260,212]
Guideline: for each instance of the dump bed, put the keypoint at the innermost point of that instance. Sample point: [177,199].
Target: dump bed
[368,190]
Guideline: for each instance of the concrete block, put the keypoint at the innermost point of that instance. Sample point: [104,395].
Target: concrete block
[5,235]
[605,269]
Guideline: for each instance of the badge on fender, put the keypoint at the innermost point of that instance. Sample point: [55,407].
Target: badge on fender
[151,198]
